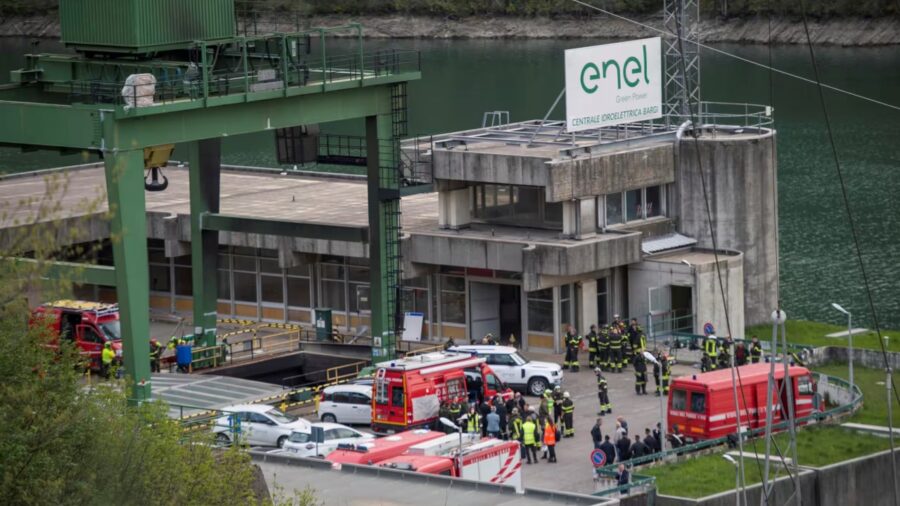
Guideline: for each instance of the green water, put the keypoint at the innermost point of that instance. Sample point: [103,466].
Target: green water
[462,79]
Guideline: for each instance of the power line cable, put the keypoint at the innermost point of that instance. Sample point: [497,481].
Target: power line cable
[741,58]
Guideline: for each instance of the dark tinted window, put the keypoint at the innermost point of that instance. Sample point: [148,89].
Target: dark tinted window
[397,397]
[698,402]
[679,400]
[341,397]
[358,398]
[258,418]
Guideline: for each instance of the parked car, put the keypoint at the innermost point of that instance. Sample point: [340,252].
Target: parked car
[346,404]
[300,443]
[515,370]
[257,425]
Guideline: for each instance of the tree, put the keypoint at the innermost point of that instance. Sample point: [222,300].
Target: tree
[65,441]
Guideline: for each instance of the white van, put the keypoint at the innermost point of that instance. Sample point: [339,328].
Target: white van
[514,369]
[346,404]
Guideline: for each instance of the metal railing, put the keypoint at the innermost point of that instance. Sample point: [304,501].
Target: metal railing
[345,372]
[694,448]
[249,65]
[718,114]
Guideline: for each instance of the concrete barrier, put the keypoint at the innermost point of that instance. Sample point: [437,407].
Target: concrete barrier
[862,357]
[782,490]
[863,480]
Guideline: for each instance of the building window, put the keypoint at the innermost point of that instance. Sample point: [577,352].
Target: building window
[654,203]
[272,288]
[453,299]
[159,268]
[183,280]
[565,305]
[634,205]
[245,287]
[602,301]
[333,286]
[614,209]
[540,311]
[298,286]
[515,205]
[359,289]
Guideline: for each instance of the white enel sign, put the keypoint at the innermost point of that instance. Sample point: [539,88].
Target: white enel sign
[613,84]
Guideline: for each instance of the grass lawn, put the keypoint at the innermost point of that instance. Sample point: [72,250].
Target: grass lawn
[871,382]
[813,333]
[711,474]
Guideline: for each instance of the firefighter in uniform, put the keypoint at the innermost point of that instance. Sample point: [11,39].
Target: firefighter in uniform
[557,397]
[156,350]
[755,350]
[637,337]
[602,393]
[473,424]
[454,409]
[568,412]
[710,353]
[725,348]
[656,370]
[515,430]
[603,349]
[666,372]
[548,397]
[640,374]
[107,356]
[616,360]
[592,341]
[572,342]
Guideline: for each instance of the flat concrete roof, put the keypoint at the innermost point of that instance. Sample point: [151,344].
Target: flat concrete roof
[694,257]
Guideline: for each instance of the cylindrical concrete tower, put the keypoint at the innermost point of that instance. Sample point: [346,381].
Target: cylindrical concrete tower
[740,170]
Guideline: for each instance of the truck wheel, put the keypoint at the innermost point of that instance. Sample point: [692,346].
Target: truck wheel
[537,386]
[222,439]
[280,442]
[328,417]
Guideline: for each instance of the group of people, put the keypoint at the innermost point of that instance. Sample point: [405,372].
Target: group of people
[717,353]
[535,428]
[610,347]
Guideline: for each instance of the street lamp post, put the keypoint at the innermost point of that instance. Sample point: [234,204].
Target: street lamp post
[849,338]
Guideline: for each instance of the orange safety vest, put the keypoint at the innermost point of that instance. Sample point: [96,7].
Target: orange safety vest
[549,434]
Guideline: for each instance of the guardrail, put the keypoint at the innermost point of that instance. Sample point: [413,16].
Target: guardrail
[719,114]
[345,372]
[610,470]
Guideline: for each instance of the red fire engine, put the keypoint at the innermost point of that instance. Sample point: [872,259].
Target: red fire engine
[702,405]
[89,325]
[407,393]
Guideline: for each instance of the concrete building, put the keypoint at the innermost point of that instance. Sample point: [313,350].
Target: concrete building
[529,229]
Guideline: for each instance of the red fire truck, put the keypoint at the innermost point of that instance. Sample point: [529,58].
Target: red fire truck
[89,325]
[382,448]
[489,460]
[702,405]
[407,393]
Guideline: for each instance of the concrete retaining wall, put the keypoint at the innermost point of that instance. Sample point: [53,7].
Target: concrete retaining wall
[781,492]
[865,358]
[864,480]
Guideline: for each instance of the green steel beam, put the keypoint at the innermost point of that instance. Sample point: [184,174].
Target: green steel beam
[204,162]
[383,218]
[128,232]
[103,275]
[307,230]
[28,123]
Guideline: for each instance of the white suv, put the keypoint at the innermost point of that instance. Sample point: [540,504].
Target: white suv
[346,404]
[515,370]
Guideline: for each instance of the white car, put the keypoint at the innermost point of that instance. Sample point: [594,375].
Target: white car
[346,404]
[257,425]
[515,370]
[300,443]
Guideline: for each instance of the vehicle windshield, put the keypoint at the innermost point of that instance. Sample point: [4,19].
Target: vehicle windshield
[519,358]
[280,417]
[299,437]
[112,330]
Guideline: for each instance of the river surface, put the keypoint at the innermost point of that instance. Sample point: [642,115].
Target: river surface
[463,79]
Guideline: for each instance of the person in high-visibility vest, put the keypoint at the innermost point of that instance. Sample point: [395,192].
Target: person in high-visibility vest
[711,352]
[516,432]
[592,342]
[568,415]
[755,350]
[473,423]
[548,396]
[550,441]
[530,438]
[666,372]
[602,393]
[107,356]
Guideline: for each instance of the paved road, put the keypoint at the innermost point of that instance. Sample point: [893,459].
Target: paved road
[573,471]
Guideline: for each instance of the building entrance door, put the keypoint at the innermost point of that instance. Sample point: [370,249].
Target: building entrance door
[484,310]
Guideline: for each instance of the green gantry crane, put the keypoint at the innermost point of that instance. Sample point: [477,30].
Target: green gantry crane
[145,75]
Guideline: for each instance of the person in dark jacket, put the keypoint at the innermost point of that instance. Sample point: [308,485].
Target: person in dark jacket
[483,409]
[623,449]
[622,478]
[640,374]
[651,441]
[607,448]
[501,412]
[597,434]
[639,448]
